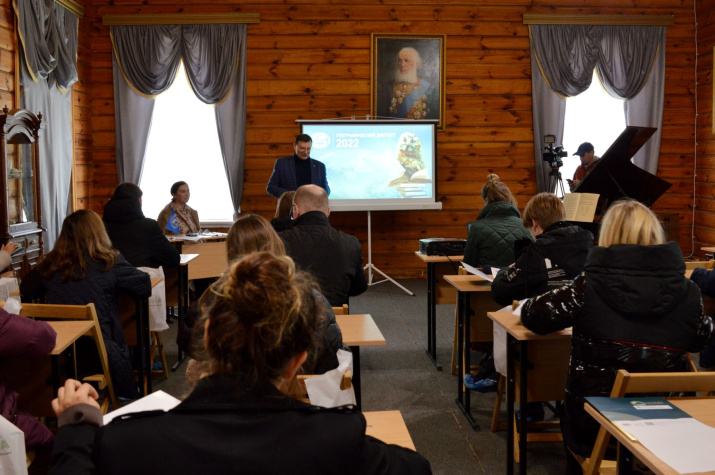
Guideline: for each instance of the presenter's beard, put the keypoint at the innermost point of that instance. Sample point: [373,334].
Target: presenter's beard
[409,77]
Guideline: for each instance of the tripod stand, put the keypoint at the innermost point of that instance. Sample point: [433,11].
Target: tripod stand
[556,182]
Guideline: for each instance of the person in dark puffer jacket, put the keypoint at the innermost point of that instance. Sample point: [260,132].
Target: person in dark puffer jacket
[632,308]
[139,239]
[705,280]
[333,257]
[555,257]
[491,237]
[84,268]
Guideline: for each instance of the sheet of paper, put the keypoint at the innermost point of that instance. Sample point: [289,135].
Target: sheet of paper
[517,310]
[684,444]
[158,400]
[580,206]
[475,271]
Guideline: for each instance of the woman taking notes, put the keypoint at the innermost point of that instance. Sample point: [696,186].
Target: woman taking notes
[259,325]
[632,308]
[178,217]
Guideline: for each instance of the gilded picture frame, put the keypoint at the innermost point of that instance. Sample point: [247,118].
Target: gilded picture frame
[407,76]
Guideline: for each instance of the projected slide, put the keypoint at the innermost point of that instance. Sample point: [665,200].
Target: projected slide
[376,161]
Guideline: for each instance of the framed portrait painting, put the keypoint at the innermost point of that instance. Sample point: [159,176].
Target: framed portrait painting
[407,76]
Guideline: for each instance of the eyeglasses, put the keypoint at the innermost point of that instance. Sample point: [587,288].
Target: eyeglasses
[290,214]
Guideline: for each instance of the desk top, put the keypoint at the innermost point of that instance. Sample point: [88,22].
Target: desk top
[68,332]
[359,330]
[389,427]
[186,258]
[708,249]
[155,281]
[469,283]
[702,409]
[513,326]
[428,259]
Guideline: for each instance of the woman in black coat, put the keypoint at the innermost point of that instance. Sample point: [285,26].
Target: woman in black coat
[84,268]
[632,308]
[259,326]
[139,239]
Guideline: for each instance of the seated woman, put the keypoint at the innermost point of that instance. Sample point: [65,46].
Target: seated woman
[252,233]
[178,217]
[491,237]
[139,239]
[284,212]
[259,325]
[556,256]
[632,308]
[84,268]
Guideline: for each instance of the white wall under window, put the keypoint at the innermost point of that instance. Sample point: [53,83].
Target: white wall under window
[183,146]
[592,116]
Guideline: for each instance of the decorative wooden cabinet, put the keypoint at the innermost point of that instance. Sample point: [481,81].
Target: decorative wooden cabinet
[20,214]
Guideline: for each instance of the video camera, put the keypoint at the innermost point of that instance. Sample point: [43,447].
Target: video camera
[554,153]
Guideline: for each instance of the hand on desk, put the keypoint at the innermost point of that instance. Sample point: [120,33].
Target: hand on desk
[72,393]
[10,247]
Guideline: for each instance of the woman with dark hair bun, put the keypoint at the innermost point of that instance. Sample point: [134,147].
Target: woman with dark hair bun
[178,217]
[259,325]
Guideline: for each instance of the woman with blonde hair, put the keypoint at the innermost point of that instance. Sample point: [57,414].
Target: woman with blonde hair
[491,237]
[259,326]
[632,308]
[284,212]
[84,268]
[252,233]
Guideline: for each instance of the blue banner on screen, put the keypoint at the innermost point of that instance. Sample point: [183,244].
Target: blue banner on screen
[375,165]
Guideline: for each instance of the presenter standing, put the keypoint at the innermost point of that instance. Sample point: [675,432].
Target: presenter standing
[178,217]
[297,170]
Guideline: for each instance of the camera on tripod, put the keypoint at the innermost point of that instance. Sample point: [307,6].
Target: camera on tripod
[553,153]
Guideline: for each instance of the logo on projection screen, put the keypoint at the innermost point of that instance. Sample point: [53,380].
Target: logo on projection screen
[321,140]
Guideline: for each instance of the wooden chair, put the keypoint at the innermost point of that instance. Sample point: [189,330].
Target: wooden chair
[300,392]
[644,383]
[690,265]
[341,310]
[79,312]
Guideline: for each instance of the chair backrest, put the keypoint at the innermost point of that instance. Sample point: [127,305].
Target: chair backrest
[690,265]
[299,391]
[341,310]
[76,312]
[632,383]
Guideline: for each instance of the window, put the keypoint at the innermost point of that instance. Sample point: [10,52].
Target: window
[592,116]
[183,146]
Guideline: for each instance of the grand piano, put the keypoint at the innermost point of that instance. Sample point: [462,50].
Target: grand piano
[615,177]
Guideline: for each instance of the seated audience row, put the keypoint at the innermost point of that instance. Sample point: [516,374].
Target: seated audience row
[260,323]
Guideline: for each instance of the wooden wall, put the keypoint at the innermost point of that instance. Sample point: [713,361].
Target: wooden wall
[705,181]
[310,59]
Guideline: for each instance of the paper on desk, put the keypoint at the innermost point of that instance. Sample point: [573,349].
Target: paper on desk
[517,310]
[684,444]
[324,390]
[475,271]
[153,402]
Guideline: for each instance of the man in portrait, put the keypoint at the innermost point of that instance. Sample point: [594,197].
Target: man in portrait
[412,96]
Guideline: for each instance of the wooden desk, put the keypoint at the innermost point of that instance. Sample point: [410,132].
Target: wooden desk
[359,330]
[437,293]
[518,338]
[702,409]
[212,258]
[469,285]
[708,249]
[389,427]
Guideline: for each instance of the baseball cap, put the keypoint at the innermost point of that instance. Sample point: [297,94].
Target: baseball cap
[584,148]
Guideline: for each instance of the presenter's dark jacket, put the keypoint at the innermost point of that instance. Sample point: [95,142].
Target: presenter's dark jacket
[101,288]
[491,237]
[333,257]
[632,308]
[139,239]
[284,178]
[556,257]
[222,428]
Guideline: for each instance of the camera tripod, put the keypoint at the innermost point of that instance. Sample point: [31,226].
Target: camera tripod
[556,182]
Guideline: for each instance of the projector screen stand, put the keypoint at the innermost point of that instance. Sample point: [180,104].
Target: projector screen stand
[370,267]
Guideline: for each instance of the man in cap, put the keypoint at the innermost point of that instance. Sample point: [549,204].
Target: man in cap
[588,160]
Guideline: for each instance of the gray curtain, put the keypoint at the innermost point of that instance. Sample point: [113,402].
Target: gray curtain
[48,68]
[146,61]
[626,59]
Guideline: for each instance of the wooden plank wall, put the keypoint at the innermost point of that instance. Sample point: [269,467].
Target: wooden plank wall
[310,59]
[705,181]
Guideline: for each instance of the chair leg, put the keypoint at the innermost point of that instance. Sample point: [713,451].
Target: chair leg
[497,404]
[453,368]
[158,346]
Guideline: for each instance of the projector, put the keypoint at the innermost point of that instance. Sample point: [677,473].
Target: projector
[442,246]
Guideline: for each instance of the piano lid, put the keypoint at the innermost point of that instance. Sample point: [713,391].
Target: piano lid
[614,176]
